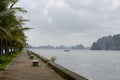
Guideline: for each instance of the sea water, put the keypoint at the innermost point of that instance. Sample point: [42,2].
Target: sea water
[94,65]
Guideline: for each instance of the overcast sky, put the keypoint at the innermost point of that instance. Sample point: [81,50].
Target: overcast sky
[70,22]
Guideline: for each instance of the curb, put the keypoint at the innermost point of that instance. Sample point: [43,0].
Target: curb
[65,73]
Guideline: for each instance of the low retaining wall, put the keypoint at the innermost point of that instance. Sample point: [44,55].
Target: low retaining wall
[67,74]
[41,57]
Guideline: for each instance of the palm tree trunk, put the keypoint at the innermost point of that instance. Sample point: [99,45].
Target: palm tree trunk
[6,47]
[1,48]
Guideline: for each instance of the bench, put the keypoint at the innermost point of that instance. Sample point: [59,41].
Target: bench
[34,62]
[31,56]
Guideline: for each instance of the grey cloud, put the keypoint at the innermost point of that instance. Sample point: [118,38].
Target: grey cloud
[65,20]
[101,16]
[101,9]
[35,14]
[91,5]
[92,18]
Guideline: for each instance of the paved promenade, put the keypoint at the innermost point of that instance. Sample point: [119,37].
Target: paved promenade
[21,69]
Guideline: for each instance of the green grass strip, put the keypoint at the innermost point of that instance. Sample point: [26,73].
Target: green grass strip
[5,60]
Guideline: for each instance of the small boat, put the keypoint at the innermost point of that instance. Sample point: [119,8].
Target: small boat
[67,50]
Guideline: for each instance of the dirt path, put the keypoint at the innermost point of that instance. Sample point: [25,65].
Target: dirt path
[21,69]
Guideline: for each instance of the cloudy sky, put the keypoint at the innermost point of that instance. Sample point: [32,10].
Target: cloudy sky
[70,22]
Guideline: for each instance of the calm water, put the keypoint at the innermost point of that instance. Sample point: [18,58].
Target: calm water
[94,65]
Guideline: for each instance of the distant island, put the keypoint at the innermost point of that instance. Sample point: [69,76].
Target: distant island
[80,46]
[107,43]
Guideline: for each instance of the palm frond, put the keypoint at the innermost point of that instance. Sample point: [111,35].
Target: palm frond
[26,28]
[5,33]
[15,9]
[13,3]
[19,9]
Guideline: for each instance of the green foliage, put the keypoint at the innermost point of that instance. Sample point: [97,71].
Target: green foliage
[11,26]
[53,58]
[5,60]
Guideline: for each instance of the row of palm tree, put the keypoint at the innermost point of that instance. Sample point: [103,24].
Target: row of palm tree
[12,35]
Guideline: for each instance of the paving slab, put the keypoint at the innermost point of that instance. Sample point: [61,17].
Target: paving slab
[21,69]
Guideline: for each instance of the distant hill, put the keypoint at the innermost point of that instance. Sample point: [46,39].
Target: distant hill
[107,43]
[80,46]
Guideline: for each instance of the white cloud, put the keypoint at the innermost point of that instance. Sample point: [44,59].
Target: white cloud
[68,22]
[116,3]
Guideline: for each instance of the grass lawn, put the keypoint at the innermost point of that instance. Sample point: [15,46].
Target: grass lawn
[5,60]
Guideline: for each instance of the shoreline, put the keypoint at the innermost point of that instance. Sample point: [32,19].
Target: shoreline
[65,73]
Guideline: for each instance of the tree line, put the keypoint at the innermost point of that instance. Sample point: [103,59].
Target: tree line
[12,35]
[80,46]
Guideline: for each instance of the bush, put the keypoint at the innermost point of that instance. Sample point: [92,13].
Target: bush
[53,58]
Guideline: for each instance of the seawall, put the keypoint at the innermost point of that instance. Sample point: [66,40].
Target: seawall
[67,74]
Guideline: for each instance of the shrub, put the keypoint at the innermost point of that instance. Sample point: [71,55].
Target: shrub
[5,60]
[53,58]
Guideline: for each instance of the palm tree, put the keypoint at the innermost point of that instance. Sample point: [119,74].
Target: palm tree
[9,23]
[7,6]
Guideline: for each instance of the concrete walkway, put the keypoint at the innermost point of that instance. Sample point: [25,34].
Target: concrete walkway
[21,69]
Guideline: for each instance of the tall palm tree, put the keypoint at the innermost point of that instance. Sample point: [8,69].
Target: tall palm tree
[9,22]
